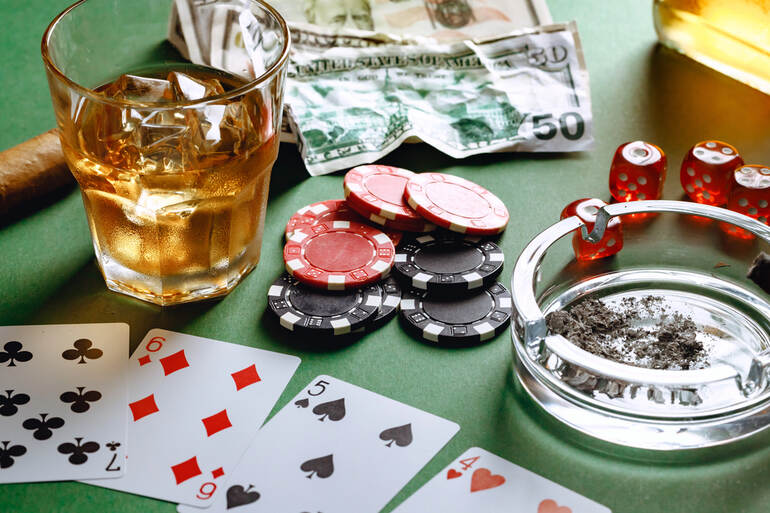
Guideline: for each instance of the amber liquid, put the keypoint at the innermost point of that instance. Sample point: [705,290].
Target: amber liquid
[731,36]
[175,198]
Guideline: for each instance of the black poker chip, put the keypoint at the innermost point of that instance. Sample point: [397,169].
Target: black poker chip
[448,264]
[472,319]
[310,310]
[391,301]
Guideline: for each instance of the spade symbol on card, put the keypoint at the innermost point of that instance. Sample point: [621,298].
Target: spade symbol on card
[402,435]
[9,404]
[323,467]
[7,454]
[82,350]
[237,496]
[43,427]
[302,403]
[12,353]
[334,410]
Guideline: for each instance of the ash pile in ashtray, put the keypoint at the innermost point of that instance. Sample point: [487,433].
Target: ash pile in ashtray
[635,331]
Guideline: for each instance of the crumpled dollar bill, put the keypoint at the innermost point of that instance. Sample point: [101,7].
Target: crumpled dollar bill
[526,91]
[353,96]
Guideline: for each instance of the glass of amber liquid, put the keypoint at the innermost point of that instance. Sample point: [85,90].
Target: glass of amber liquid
[173,158]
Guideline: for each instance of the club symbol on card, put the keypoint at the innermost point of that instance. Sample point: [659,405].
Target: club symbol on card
[322,467]
[402,435]
[550,506]
[80,399]
[7,454]
[9,404]
[83,350]
[112,446]
[237,496]
[302,403]
[78,452]
[452,474]
[483,479]
[333,410]
[43,427]
[13,353]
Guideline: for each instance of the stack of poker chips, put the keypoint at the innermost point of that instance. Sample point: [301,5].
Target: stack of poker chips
[432,230]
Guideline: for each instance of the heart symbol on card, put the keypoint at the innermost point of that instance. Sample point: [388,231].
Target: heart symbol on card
[483,479]
[452,473]
[237,496]
[550,506]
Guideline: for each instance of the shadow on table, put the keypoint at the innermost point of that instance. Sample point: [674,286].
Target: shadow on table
[84,298]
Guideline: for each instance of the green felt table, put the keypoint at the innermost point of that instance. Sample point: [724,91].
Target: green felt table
[639,91]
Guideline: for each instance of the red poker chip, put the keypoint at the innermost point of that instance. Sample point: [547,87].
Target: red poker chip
[395,236]
[456,204]
[419,224]
[338,255]
[329,210]
[378,191]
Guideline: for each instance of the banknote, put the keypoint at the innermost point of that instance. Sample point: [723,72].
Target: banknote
[442,20]
[526,91]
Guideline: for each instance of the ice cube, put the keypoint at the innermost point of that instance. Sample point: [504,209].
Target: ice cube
[136,88]
[188,88]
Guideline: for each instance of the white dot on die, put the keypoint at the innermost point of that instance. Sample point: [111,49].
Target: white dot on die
[706,195]
[707,178]
[623,177]
[727,151]
[642,180]
[642,196]
[699,152]
[690,188]
[610,243]
[690,171]
[743,202]
[632,187]
[762,203]
[698,183]
[711,145]
[762,219]
[753,211]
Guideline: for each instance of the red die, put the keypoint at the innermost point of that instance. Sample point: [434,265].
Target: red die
[707,172]
[637,172]
[586,210]
[749,195]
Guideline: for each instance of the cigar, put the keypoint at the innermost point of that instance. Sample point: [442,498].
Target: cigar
[32,170]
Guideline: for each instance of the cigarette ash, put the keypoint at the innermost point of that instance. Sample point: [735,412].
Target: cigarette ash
[642,332]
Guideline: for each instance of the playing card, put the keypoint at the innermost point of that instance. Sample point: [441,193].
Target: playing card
[62,391]
[480,481]
[194,405]
[335,448]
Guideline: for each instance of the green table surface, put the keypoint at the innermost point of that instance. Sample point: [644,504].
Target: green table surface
[48,273]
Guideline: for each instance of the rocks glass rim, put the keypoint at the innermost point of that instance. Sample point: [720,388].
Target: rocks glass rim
[92,95]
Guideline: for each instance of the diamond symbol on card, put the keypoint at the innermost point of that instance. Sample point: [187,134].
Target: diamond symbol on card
[246,377]
[217,473]
[174,362]
[144,360]
[186,470]
[143,407]
[216,423]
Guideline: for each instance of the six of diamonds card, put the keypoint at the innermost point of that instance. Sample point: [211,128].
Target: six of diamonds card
[62,397]
[480,481]
[194,405]
[334,448]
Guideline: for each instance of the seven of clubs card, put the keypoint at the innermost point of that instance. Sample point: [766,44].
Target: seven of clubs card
[194,404]
[480,481]
[335,448]
[62,397]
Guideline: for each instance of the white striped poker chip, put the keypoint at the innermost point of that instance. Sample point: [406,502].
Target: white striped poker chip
[329,210]
[379,191]
[419,224]
[471,319]
[313,311]
[456,204]
[448,263]
[338,255]
[390,293]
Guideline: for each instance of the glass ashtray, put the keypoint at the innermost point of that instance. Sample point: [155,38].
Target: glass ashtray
[691,266]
